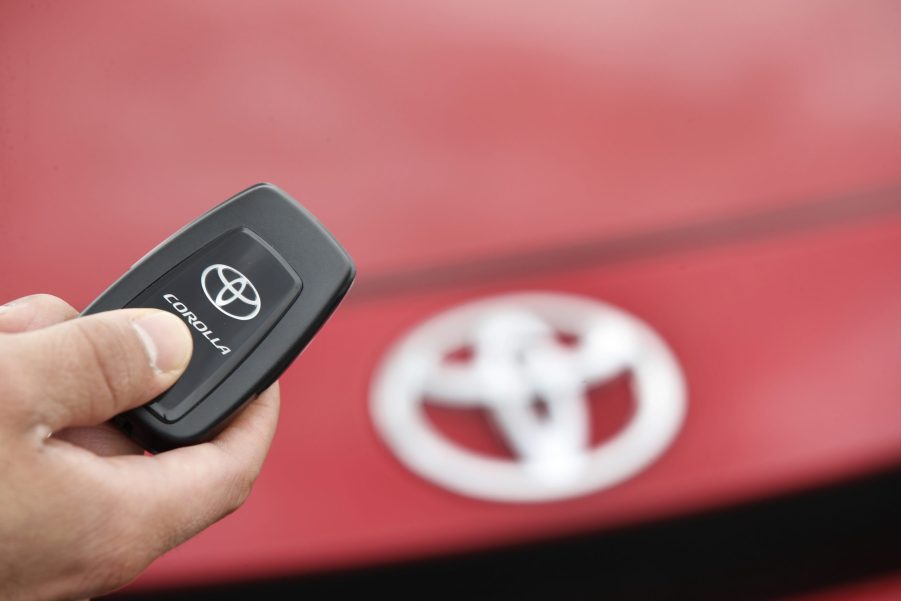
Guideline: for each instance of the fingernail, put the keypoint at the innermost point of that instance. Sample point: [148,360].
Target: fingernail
[166,338]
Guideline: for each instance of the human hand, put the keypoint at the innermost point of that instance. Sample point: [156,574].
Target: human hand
[84,511]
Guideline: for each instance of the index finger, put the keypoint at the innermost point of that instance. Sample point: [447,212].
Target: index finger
[33,313]
[182,491]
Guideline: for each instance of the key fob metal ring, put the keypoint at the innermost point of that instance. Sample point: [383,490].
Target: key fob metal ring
[254,279]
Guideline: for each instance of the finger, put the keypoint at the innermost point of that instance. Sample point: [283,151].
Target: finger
[86,370]
[33,313]
[104,440]
[250,435]
[42,310]
[181,492]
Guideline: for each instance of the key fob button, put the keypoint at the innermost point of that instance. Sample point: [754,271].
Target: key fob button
[230,293]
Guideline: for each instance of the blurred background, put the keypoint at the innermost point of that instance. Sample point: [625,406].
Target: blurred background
[728,173]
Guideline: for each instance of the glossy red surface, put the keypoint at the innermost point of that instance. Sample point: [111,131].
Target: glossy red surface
[788,347]
[429,133]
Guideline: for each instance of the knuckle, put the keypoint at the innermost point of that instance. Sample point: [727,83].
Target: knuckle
[104,353]
[10,370]
[48,302]
[50,309]
[240,484]
[16,381]
[43,310]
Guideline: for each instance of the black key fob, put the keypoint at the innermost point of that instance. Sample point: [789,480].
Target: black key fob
[254,279]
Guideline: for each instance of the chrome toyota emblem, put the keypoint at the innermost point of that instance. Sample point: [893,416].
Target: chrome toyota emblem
[225,286]
[517,356]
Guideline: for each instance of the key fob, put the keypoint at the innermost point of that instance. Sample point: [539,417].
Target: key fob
[254,279]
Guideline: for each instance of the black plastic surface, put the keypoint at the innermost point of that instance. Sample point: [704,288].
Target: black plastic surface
[254,278]
[230,293]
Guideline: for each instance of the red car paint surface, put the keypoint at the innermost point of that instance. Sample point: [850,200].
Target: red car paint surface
[470,133]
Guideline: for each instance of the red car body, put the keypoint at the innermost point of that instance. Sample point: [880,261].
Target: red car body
[729,174]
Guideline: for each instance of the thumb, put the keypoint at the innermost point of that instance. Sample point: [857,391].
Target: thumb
[85,371]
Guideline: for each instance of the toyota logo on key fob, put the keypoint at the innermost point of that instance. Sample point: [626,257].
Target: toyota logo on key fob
[254,279]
